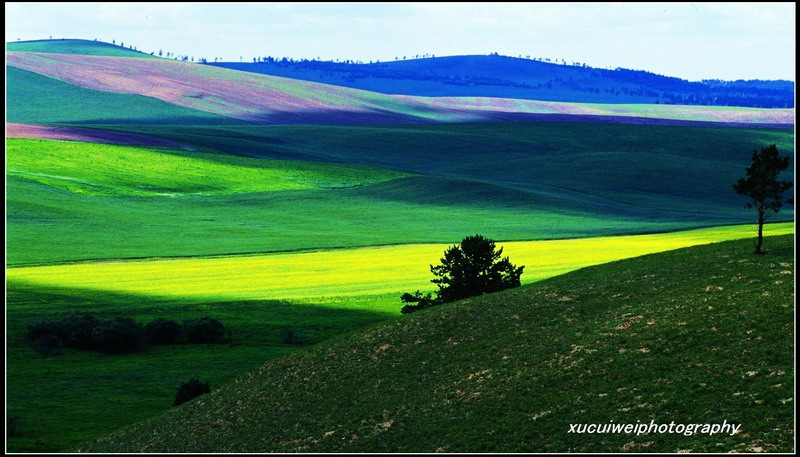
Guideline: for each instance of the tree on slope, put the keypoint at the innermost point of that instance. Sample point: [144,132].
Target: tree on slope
[473,267]
[763,187]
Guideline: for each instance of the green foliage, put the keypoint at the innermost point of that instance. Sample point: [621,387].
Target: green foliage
[163,331]
[473,267]
[47,338]
[203,330]
[118,335]
[762,185]
[79,329]
[291,336]
[422,301]
[190,389]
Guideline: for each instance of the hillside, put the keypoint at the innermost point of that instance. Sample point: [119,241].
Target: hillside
[697,335]
[523,78]
[74,46]
[32,98]
[555,180]
[265,99]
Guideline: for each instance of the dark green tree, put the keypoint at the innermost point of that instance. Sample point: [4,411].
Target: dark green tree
[190,389]
[473,267]
[763,187]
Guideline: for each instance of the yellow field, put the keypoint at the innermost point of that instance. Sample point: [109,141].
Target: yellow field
[348,274]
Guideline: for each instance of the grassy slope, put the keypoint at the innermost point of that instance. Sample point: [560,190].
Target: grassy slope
[103,169]
[698,335]
[35,99]
[82,47]
[555,180]
[256,298]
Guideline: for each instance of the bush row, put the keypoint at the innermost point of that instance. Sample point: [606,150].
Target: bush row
[118,335]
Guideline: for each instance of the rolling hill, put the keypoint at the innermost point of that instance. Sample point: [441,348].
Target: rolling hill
[143,187]
[267,99]
[696,335]
[524,78]
[557,180]
[76,46]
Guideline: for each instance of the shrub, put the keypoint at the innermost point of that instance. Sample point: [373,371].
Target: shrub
[48,344]
[203,330]
[78,329]
[422,301]
[118,335]
[189,390]
[163,331]
[289,336]
[46,337]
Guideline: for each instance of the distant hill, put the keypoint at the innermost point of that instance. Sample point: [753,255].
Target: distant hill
[266,99]
[72,46]
[512,77]
[692,336]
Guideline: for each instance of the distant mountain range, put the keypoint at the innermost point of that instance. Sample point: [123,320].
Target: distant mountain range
[521,78]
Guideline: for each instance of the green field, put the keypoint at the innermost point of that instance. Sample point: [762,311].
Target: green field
[557,180]
[64,165]
[697,335]
[317,294]
[82,47]
[318,229]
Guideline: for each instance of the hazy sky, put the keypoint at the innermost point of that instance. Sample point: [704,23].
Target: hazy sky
[688,40]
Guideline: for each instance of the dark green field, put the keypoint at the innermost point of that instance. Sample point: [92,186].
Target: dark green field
[697,335]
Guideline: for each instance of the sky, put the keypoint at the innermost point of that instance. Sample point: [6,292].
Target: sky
[692,41]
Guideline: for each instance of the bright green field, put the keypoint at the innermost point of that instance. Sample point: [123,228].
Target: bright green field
[340,274]
[82,47]
[103,169]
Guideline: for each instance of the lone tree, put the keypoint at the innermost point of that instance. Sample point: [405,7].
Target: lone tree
[471,268]
[763,187]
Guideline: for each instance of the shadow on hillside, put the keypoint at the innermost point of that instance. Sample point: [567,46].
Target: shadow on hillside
[250,322]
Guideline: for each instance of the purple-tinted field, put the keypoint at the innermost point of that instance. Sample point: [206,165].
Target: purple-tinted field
[48,132]
[267,99]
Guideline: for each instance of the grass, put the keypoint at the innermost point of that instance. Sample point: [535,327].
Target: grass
[556,180]
[70,46]
[314,276]
[104,169]
[697,335]
[65,399]
[318,295]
